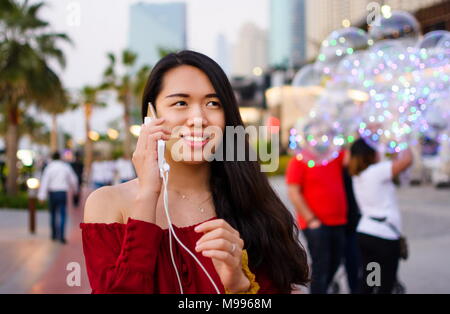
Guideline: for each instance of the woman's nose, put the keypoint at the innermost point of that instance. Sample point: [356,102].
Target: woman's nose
[197,117]
[198,122]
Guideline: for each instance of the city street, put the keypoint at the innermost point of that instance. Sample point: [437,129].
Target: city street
[34,264]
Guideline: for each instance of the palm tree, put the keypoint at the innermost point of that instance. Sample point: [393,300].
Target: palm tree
[55,108]
[26,47]
[140,81]
[89,100]
[123,85]
[36,130]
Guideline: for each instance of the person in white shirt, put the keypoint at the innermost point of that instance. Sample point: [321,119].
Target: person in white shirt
[56,181]
[102,172]
[109,170]
[125,169]
[97,174]
[379,228]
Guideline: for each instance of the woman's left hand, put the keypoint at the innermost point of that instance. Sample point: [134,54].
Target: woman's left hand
[223,244]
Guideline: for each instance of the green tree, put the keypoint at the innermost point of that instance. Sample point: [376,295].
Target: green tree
[127,85]
[89,99]
[26,48]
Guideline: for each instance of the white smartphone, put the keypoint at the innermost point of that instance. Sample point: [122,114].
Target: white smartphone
[162,164]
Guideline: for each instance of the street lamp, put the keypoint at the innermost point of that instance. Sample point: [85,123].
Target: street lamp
[33,185]
[113,134]
[257,71]
[346,23]
[94,136]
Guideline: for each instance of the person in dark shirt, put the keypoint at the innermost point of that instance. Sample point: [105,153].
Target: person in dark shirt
[77,166]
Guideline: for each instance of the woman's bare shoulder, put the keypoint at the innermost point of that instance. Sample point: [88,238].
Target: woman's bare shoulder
[107,204]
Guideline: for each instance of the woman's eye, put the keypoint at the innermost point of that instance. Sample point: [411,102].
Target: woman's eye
[180,104]
[213,104]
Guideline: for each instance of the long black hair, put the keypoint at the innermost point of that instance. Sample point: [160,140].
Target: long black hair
[241,192]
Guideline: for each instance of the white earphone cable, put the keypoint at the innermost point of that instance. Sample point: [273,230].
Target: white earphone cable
[165,200]
[165,177]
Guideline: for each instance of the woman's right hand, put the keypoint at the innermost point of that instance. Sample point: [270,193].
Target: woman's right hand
[145,157]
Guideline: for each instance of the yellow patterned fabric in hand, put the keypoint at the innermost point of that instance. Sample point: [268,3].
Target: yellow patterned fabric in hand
[254,286]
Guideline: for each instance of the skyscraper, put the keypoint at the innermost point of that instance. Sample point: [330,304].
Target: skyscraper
[250,50]
[287,39]
[155,26]
[223,54]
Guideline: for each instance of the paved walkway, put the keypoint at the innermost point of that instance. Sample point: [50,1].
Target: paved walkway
[34,263]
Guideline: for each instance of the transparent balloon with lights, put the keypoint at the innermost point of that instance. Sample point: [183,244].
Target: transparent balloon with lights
[340,105]
[317,139]
[444,42]
[388,125]
[397,25]
[307,76]
[431,39]
[350,72]
[338,45]
[435,123]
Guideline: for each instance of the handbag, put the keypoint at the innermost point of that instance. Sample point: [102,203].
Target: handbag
[404,251]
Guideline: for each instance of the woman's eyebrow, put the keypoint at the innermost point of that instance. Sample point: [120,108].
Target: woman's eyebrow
[187,96]
[178,95]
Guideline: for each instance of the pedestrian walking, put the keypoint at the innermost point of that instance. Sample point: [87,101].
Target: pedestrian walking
[57,180]
[125,169]
[77,166]
[102,172]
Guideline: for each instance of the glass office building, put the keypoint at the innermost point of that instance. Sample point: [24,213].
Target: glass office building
[287,42]
[154,26]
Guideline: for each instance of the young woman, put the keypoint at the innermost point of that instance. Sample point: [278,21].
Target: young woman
[224,211]
[379,228]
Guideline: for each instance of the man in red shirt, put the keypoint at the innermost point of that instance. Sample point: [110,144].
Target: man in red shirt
[318,195]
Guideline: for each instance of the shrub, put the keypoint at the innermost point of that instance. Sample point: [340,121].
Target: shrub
[20,201]
[282,165]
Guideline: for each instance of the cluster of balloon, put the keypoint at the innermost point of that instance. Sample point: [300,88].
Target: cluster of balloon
[386,86]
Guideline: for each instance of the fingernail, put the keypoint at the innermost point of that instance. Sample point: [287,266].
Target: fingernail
[196,229]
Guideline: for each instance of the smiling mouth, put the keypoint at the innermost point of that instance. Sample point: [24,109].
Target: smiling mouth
[196,141]
[195,138]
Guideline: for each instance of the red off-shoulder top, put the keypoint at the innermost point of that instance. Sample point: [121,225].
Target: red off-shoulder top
[135,258]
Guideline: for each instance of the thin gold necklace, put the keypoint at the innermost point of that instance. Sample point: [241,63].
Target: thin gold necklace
[199,207]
